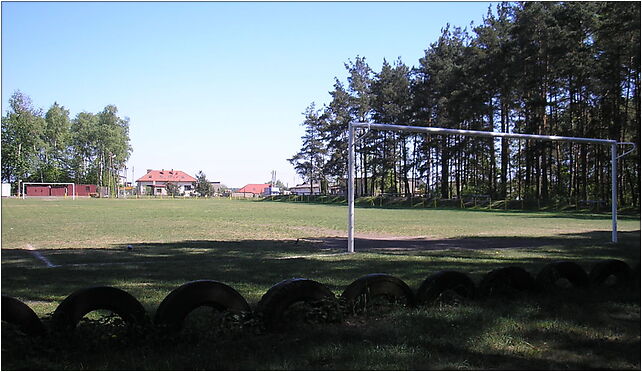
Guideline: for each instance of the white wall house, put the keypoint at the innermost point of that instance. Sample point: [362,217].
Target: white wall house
[154,182]
[304,189]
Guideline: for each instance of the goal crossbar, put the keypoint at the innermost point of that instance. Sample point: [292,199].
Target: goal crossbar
[73,187]
[475,133]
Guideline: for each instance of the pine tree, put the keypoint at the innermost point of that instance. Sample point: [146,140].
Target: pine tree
[335,134]
[570,69]
[360,90]
[391,104]
[309,162]
[202,186]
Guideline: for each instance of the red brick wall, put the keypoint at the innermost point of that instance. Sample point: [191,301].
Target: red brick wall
[84,190]
[37,190]
[59,190]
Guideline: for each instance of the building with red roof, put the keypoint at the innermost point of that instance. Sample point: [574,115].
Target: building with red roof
[253,189]
[154,182]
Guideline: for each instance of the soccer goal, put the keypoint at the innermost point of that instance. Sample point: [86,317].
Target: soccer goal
[352,126]
[47,191]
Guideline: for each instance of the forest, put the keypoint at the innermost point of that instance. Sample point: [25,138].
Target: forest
[550,68]
[50,146]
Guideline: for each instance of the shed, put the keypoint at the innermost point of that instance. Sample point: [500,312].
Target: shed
[6,190]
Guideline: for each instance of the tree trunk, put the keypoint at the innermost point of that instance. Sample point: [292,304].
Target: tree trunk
[391,161]
[457,172]
[445,189]
[383,166]
[404,173]
[427,188]
[504,151]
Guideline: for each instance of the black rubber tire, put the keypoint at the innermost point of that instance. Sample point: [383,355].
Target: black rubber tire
[603,269]
[374,285]
[506,282]
[277,299]
[20,314]
[442,281]
[551,273]
[181,301]
[78,304]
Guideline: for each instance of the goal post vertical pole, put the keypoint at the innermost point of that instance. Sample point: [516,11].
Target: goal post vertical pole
[614,191]
[350,188]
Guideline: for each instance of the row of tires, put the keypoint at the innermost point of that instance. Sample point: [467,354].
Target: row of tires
[273,306]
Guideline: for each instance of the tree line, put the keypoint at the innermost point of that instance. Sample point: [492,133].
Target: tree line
[550,68]
[50,146]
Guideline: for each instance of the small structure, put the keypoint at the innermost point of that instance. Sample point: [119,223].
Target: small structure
[6,190]
[155,182]
[252,190]
[217,187]
[58,189]
[305,189]
[85,190]
[271,190]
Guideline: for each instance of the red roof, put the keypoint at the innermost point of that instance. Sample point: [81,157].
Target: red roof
[166,176]
[254,188]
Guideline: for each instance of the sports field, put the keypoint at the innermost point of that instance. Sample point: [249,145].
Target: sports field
[51,248]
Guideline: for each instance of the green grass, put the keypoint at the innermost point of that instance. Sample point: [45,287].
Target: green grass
[252,245]
[90,223]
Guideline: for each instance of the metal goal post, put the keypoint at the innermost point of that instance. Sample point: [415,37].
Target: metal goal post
[474,133]
[73,187]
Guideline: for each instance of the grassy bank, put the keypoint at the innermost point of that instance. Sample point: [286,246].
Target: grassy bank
[465,202]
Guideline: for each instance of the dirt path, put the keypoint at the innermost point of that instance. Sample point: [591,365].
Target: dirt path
[336,239]
[363,243]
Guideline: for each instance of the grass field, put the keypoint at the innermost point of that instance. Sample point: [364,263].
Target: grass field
[251,245]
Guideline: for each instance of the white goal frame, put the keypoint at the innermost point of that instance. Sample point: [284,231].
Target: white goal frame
[474,133]
[73,187]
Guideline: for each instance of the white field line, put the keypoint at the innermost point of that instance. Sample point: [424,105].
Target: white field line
[47,262]
[39,256]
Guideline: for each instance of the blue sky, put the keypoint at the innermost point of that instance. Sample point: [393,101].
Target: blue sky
[218,87]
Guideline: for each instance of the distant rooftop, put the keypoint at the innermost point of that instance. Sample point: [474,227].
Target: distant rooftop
[254,188]
[164,175]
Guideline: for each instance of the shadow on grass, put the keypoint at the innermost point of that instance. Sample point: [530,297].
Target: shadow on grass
[573,330]
[527,333]
[152,270]
[587,216]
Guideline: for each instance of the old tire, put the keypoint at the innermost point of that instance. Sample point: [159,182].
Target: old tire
[282,295]
[375,285]
[78,304]
[551,273]
[506,281]
[20,314]
[435,285]
[181,301]
[602,270]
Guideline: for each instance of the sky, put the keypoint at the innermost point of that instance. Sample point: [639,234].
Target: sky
[212,86]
